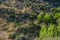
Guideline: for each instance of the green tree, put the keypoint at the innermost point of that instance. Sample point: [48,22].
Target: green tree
[56,15]
[47,17]
[58,27]
[43,31]
[52,30]
[58,20]
[40,16]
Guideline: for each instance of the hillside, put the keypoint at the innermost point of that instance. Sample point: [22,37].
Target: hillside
[29,20]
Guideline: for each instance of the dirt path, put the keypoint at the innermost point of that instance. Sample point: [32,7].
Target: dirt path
[3,34]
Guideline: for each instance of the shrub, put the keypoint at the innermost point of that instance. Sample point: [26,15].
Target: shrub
[12,35]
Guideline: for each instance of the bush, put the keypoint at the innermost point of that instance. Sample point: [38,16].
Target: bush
[12,35]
